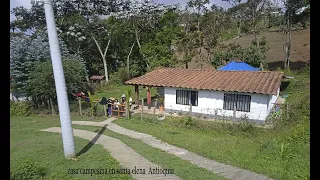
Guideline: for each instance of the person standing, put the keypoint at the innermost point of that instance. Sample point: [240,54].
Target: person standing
[148,98]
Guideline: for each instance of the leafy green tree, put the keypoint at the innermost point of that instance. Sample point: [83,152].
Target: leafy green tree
[254,55]
[297,12]
[24,52]
[213,23]
[160,51]
[41,85]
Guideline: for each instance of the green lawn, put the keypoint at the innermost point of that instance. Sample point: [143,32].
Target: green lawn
[259,152]
[117,90]
[182,168]
[45,150]
[280,153]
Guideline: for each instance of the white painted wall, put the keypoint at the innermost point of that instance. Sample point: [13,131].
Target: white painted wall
[211,102]
[272,100]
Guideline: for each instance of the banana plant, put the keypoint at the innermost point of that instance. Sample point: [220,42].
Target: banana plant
[128,103]
[93,109]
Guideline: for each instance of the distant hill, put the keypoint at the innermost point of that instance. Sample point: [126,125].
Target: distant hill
[300,49]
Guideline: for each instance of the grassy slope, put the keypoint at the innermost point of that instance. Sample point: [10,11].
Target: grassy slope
[300,49]
[281,153]
[45,149]
[183,169]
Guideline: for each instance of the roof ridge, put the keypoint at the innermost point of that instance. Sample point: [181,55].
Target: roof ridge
[207,79]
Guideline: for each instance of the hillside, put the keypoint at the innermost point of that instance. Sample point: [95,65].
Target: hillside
[300,49]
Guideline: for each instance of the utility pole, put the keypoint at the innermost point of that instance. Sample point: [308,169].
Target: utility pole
[63,103]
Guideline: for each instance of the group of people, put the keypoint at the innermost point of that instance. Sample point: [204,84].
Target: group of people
[117,103]
[105,101]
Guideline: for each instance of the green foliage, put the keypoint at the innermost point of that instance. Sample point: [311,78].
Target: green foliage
[27,170]
[245,126]
[187,121]
[158,51]
[25,52]
[120,76]
[41,81]
[253,55]
[20,108]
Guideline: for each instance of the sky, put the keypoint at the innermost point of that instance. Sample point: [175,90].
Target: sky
[27,4]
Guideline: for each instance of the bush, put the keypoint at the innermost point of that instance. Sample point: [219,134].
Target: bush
[187,121]
[41,83]
[28,170]
[120,76]
[245,125]
[20,108]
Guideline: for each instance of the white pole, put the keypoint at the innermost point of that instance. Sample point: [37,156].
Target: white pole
[64,110]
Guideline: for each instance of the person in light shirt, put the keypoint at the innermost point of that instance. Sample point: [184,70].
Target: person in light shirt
[130,102]
[117,103]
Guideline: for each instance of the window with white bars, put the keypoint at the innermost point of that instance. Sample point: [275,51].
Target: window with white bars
[182,97]
[240,101]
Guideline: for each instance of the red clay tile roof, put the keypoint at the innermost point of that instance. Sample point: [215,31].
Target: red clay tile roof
[95,77]
[262,82]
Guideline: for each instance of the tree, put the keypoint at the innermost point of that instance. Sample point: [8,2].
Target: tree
[24,52]
[297,11]
[144,18]
[41,84]
[253,10]
[188,41]
[160,51]
[197,8]
[253,55]
[86,13]
[212,26]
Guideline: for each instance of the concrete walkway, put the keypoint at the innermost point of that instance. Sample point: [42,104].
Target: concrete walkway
[227,171]
[127,157]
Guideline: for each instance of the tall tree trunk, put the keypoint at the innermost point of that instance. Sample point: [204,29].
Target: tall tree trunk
[85,68]
[48,104]
[208,58]
[186,63]
[103,55]
[52,106]
[139,45]
[239,28]
[128,59]
[287,41]
[287,46]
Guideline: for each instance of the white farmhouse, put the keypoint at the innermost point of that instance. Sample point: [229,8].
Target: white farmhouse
[215,94]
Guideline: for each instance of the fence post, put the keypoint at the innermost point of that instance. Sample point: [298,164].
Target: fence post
[79,100]
[234,112]
[142,107]
[154,107]
[287,111]
[105,110]
[190,109]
